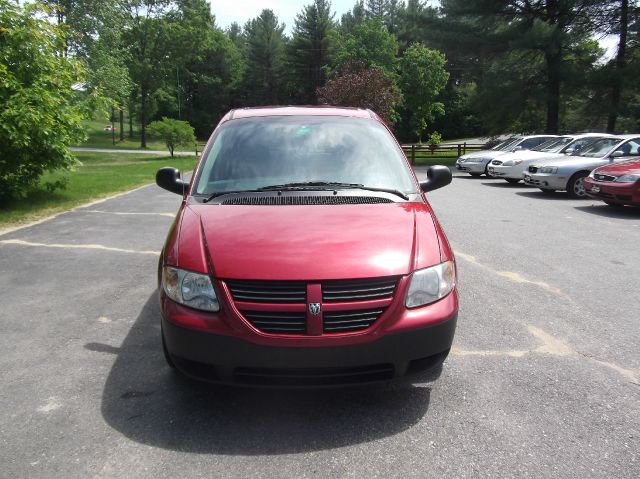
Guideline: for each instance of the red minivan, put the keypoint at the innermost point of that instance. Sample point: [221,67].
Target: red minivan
[305,254]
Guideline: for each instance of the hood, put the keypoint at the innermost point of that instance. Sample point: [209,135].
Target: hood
[527,155]
[476,153]
[631,167]
[309,242]
[570,161]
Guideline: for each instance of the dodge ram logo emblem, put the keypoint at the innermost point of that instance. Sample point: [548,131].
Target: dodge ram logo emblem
[314,308]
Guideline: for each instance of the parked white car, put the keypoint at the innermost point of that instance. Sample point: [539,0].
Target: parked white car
[476,163]
[567,173]
[511,166]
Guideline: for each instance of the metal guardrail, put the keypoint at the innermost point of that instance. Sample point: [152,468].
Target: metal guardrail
[441,151]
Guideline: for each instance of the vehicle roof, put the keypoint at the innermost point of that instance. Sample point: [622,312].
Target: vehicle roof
[628,137]
[300,111]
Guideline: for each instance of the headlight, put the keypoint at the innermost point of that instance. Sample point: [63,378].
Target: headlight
[191,289]
[430,284]
[592,174]
[627,178]
[549,169]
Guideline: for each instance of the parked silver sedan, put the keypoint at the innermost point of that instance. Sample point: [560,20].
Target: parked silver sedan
[567,173]
[512,166]
[476,163]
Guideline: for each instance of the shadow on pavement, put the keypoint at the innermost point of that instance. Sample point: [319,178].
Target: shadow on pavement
[149,403]
[504,184]
[623,212]
[557,196]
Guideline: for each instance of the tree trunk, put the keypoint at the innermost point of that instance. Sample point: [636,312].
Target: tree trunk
[616,88]
[113,130]
[130,122]
[553,59]
[143,119]
[121,124]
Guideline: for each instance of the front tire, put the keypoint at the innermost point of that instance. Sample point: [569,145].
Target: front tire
[575,187]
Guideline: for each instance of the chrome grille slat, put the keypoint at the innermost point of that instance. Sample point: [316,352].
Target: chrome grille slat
[349,321]
[277,322]
[295,292]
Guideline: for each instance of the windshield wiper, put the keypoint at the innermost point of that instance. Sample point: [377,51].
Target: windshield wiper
[220,193]
[332,184]
[308,185]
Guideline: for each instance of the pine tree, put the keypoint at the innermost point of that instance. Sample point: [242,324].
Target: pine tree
[309,49]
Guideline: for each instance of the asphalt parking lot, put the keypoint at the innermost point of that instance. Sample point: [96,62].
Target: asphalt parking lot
[544,379]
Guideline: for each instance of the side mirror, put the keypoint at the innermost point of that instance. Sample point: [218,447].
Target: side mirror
[437,177]
[169,179]
[617,154]
[518,148]
[569,151]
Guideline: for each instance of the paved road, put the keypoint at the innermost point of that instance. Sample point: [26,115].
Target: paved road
[544,380]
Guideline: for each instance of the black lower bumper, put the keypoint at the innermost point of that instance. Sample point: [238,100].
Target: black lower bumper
[226,359]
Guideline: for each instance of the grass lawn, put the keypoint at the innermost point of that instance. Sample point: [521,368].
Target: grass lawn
[101,175]
[98,138]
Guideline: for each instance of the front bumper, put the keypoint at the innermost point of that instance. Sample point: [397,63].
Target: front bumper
[468,167]
[225,359]
[617,193]
[545,181]
[510,172]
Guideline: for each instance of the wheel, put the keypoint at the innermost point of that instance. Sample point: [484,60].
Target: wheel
[167,356]
[548,192]
[475,175]
[512,181]
[575,187]
[486,171]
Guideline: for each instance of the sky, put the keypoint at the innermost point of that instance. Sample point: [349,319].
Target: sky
[229,11]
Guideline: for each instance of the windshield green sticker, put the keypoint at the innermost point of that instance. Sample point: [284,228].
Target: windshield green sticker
[303,131]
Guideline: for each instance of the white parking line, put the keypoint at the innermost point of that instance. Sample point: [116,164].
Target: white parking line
[123,213]
[77,246]
[513,276]
[554,347]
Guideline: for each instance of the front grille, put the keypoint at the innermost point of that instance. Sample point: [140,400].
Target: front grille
[601,177]
[496,162]
[358,290]
[268,291]
[349,321]
[533,169]
[305,200]
[314,376]
[274,320]
[277,322]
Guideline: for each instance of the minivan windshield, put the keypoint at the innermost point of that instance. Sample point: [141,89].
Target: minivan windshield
[258,152]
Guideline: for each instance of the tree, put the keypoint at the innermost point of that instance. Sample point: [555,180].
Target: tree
[39,110]
[359,85]
[356,16]
[172,132]
[309,48]
[377,9]
[422,78]
[549,28]
[620,64]
[370,43]
[265,56]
